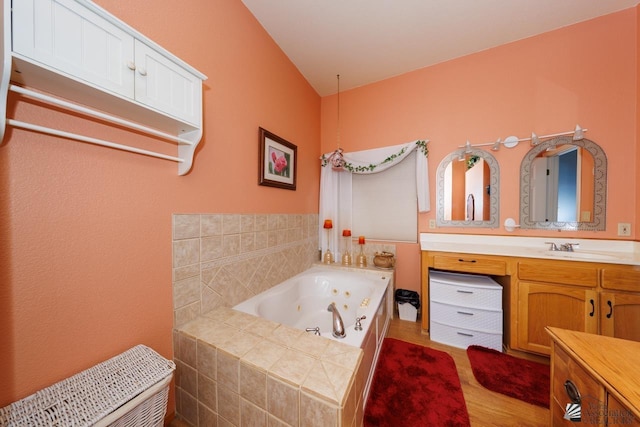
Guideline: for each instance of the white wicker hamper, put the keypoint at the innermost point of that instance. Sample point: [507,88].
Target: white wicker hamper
[130,389]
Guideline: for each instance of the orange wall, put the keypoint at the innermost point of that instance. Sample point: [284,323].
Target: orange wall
[584,74]
[85,238]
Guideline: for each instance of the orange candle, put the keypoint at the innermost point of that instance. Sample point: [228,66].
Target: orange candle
[361,240]
[328,223]
[346,233]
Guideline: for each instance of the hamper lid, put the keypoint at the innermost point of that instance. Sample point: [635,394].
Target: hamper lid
[90,395]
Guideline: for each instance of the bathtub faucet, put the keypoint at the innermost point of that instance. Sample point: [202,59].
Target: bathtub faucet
[316,330]
[338,324]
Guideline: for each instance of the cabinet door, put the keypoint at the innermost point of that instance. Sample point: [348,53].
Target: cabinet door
[620,315]
[64,36]
[165,86]
[619,415]
[542,305]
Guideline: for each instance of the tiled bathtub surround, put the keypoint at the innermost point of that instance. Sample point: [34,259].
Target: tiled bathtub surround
[250,371]
[235,369]
[220,260]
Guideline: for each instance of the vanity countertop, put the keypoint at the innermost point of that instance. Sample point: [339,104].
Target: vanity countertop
[588,250]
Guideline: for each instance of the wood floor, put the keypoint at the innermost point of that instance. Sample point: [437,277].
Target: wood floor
[485,407]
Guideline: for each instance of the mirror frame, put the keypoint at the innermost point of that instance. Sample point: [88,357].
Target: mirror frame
[494,185]
[598,222]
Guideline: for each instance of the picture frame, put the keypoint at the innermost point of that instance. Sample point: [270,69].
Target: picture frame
[278,161]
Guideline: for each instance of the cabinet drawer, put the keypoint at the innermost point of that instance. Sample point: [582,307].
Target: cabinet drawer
[467,317]
[470,264]
[621,278]
[566,369]
[466,295]
[566,273]
[463,338]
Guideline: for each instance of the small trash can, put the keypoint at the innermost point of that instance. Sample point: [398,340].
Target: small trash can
[408,303]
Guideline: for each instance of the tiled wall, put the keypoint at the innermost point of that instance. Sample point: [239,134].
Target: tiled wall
[219,260]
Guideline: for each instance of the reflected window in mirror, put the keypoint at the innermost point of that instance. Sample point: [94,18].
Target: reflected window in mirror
[563,185]
[468,190]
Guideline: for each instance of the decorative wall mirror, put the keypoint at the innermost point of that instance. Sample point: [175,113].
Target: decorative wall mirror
[468,190]
[563,185]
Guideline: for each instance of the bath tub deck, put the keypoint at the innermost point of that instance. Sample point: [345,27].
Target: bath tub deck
[237,366]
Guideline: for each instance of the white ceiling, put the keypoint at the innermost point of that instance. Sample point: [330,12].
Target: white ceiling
[370,40]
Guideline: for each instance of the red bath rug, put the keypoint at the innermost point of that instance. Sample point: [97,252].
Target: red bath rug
[415,386]
[520,378]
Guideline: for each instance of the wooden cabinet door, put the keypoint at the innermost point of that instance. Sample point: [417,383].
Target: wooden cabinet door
[65,36]
[619,415]
[620,315]
[541,305]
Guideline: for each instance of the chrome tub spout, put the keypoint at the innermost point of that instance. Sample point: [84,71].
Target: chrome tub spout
[338,324]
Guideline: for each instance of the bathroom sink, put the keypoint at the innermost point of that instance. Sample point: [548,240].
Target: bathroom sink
[581,255]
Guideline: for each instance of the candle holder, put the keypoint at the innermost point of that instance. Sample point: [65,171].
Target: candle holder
[346,248]
[361,258]
[328,256]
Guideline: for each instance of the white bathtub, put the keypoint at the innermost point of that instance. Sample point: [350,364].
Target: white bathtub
[301,301]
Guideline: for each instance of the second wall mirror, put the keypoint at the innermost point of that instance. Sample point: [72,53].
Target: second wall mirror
[468,192]
[563,185]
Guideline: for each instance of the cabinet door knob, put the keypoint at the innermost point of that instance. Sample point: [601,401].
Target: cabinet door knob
[593,308]
[131,65]
[610,309]
[142,71]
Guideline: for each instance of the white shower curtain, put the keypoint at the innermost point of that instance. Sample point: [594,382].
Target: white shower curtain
[335,186]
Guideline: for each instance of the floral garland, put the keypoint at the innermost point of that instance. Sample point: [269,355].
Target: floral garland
[422,146]
[472,161]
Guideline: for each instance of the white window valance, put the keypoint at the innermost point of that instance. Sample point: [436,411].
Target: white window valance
[336,185]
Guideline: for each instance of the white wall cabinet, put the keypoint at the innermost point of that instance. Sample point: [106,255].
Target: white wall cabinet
[71,39]
[76,50]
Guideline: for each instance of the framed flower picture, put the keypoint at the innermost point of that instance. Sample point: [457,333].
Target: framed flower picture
[278,161]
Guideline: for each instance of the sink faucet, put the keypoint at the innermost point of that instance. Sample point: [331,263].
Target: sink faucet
[568,247]
[338,324]
[553,246]
[564,247]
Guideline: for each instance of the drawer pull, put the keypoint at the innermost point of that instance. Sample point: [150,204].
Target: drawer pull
[572,391]
[593,308]
[610,309]
[464,312]
[460,291]
[464,260]
[465,335]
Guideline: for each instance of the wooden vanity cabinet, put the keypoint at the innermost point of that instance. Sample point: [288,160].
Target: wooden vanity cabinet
[589,297]
[601,371]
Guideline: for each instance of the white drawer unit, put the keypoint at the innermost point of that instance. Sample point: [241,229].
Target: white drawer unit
[465,310]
